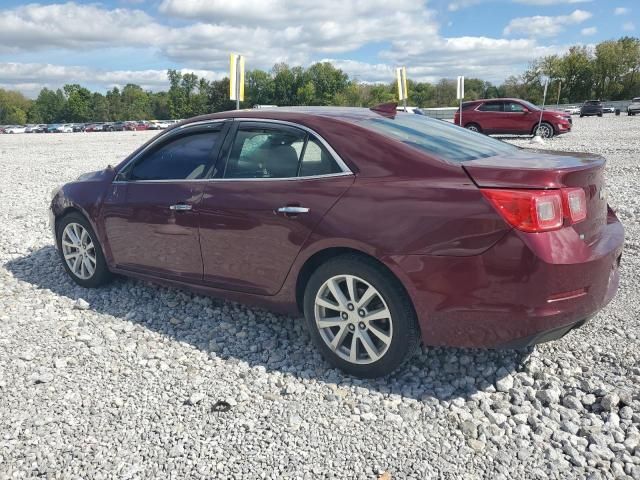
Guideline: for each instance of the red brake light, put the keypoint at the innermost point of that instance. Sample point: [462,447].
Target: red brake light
[575,204]
[528,210]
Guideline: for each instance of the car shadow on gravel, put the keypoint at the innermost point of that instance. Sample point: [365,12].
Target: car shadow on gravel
[259,338]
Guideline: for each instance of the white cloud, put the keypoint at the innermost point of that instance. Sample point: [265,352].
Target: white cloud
[541,26]
[460,4]
[628,26]
[73,26]
[589,31]
[200,35]
[621,11]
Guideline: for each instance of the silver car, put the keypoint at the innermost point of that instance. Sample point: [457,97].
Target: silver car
[634,106]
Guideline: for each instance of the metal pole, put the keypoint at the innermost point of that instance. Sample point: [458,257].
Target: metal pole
[460,117]
[238,82]
[559,89]
[544,98]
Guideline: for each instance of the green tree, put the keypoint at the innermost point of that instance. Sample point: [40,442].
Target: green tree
[78,105]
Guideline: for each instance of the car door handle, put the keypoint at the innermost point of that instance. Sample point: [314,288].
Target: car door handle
[180,207]
[292,210]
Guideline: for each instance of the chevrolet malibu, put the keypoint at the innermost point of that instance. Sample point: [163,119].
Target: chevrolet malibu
[386,229]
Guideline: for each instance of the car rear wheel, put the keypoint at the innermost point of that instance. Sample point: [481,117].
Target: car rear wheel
[80,252]
[545,130]
[474,127]
[360,317]
[599,114]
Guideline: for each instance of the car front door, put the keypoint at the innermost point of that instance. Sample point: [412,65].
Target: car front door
[517,119]
[151,213]
[273,184]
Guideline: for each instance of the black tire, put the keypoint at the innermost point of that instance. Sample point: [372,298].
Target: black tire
[406,334]
[474,127]
[102,275]
[599,114]
[547,125]
[581,115]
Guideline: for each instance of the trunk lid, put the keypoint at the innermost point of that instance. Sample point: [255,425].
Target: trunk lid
[532,169]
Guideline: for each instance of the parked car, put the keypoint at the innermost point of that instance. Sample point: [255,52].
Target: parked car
[512,116]
[115,127]
[15,129]
[158,125]
[40,128]
[591,107]
[94,127]
[524,253]
[572,110]
[78,127]
[141,125]
[634,107]
[415,110]
[61,128]
[608,109]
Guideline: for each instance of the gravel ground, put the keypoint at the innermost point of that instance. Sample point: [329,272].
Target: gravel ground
[121,382]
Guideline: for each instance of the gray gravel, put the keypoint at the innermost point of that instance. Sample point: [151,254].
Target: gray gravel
[122,382]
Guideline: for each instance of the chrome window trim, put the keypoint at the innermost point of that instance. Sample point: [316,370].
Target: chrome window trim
[346,171]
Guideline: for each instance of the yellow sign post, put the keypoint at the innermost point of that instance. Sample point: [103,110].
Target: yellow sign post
[236,78]
[401,77]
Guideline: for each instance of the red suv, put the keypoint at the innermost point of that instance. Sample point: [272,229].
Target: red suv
[512,116]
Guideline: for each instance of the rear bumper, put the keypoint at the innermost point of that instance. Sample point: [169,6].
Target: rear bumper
[510,295]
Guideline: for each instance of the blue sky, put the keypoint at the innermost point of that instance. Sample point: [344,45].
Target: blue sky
[102,44]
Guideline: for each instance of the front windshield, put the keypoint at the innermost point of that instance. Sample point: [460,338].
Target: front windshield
[636,100]
[439,138]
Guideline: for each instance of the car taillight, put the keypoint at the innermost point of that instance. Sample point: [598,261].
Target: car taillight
[575,204]
[538,210]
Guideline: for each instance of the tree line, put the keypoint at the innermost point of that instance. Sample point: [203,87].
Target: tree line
[608,71]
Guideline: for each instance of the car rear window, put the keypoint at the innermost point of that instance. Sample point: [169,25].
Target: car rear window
[593,102]
[439,138]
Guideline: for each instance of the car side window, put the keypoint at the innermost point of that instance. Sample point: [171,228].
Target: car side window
[185,158]
[265,152]
[491,107]
[317,160]
[513,107]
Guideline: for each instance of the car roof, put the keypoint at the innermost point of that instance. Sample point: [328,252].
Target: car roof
[294,114]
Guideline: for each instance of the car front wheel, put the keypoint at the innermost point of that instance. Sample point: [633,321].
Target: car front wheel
[360,317]
[474,127]
[80,252]
[545,130]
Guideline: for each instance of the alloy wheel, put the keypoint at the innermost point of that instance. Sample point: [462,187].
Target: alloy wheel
[544,131]
[79,251]
[353,319]
[473,128]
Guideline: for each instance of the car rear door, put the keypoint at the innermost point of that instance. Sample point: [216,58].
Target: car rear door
[151,213]
[489,116]
[273,184]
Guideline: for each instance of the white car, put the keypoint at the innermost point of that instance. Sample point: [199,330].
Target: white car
[160,124]
[634,107]
[15,129]
[65,128]
[572,110]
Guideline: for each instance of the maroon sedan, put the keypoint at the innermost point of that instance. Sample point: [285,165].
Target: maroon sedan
[385,229]
[512,116]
